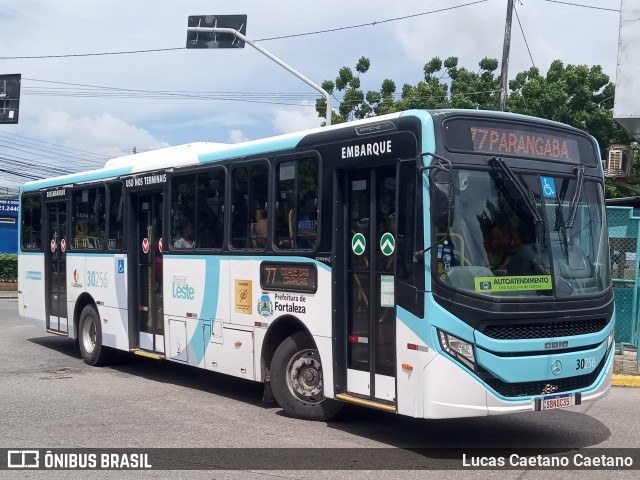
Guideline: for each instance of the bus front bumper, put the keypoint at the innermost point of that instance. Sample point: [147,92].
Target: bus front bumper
[453,392]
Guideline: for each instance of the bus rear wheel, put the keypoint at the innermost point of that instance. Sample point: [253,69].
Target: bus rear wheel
[297,380]
[90,338]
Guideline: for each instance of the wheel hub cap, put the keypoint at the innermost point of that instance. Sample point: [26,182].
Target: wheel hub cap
[305,376]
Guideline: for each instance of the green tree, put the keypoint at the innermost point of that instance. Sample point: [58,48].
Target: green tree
[353,104]
[445,85]
[576,95]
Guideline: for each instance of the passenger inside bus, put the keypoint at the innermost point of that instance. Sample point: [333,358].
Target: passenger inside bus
[306,226]
[259,225]
[284,224]
[185,235]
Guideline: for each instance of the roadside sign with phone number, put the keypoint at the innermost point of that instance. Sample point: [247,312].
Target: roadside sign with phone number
[8,206]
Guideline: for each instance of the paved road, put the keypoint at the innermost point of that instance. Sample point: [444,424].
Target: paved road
[49,399]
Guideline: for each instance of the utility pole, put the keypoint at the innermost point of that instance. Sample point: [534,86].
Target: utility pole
[505,57]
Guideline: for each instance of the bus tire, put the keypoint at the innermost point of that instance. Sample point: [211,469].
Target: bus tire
[297,380]
[90,338]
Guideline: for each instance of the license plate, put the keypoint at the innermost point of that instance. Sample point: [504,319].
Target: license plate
[561,400]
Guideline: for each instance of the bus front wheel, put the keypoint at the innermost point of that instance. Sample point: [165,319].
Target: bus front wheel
[297,380]
[90,338]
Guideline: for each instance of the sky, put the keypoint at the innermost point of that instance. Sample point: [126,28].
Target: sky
[156,99]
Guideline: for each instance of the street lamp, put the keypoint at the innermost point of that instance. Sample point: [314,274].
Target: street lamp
[213,31]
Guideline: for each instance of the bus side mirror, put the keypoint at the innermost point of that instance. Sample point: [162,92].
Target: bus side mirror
[442,205]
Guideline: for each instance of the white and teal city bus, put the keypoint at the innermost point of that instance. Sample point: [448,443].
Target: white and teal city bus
[435,264]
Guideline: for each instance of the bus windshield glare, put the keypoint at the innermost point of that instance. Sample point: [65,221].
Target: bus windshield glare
[497,245]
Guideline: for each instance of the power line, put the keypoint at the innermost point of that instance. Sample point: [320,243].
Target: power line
[53,144]
[38,155]
[65,160]
[583,6]
[112,92]
[523,35]
[99,54]
[152,50]
[371,23]
[135,93]
[42,148]
[181,94]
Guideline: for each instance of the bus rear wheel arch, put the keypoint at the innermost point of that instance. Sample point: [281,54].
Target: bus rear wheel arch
[297,380]
[90,338]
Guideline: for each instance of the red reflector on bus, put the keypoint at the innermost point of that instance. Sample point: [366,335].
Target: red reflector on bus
[261,324]
[356,339]
[142,308]
[98,302]
[191,315]
[418,348]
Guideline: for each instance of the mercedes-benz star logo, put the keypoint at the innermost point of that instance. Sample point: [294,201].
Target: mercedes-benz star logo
[556,367]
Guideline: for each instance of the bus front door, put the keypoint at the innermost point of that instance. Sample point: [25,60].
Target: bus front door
[369,237]
[148,289]
[56,270]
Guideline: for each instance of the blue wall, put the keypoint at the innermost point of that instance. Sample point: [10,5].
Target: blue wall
[9,238]
[8,225]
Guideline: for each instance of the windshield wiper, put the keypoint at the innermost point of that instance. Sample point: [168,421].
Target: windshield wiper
[561,227]
[498,163]
[573,210]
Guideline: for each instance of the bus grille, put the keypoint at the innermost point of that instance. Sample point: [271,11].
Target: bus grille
[545,387]
[544,330]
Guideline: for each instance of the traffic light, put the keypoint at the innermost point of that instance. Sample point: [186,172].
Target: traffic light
[9,98]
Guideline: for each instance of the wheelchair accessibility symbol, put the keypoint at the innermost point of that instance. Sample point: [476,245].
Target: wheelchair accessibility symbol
[548,187]
[120,265]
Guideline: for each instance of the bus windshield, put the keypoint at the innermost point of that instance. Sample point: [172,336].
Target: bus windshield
[512,237]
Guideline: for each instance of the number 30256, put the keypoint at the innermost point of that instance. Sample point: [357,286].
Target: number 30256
[97,279]
[582,363]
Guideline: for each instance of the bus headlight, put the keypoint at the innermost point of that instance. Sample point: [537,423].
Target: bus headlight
[458,349]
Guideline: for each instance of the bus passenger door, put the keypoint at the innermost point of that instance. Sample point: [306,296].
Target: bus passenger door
[369,311]
[56,267]
[147,287]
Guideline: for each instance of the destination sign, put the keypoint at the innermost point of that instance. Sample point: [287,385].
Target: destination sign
[148,180]
[56,194]
[519,142]
[498,138]
[289,277]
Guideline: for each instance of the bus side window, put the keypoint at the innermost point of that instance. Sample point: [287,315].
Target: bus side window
[183,208]
[210,209]
[259,220]
[115,217]
[88,218]
[239,207]
[31,211]
[297,204]
[249,222]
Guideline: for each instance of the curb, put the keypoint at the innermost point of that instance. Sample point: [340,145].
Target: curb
[625,380]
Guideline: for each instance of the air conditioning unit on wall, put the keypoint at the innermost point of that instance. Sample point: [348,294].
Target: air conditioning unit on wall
[619,162]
